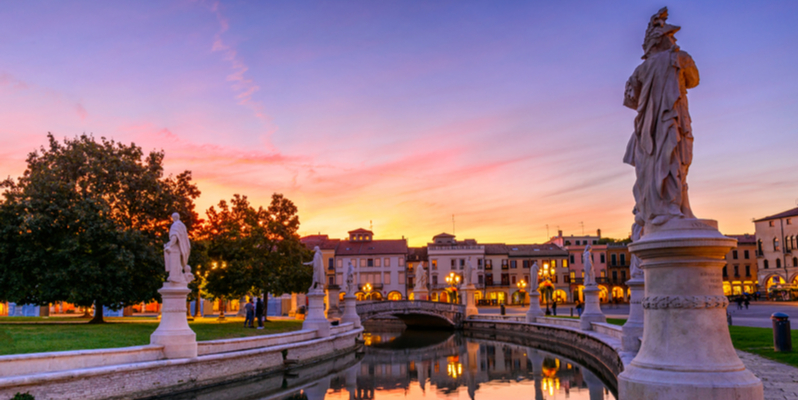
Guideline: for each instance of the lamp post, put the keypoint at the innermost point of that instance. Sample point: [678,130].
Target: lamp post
[521,286]
[367,290]
[452,280]
[547,272]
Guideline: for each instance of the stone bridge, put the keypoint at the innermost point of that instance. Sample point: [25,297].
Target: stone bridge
[416,313]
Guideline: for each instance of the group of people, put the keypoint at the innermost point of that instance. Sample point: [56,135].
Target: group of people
[743,300]
[253,311]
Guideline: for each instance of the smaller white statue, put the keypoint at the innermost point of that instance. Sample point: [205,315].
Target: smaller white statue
[349,281]
[422,278]
[468,272]
[534,282]
[176,253]
[318,279]
[588,268]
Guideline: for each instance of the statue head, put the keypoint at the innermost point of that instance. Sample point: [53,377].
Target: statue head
[176,217]
[316,249]
[588,247]
[660,35]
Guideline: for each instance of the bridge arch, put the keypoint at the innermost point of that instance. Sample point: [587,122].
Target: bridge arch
[416,313]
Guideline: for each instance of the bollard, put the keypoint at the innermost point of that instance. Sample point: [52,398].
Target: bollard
[781,332]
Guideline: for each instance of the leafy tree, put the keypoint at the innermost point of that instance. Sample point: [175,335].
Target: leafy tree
[254,250]
[86,224]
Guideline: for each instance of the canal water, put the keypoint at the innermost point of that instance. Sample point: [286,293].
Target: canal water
[429,365]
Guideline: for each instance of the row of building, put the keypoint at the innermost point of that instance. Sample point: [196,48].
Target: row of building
[386,269]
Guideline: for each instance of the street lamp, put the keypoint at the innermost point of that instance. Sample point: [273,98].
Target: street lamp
[521,286]
[546,272]
[452,280]
[367,290]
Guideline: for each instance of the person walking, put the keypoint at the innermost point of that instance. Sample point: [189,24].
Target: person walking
[579,307]
[260,313]
[747,302]
[554,307]
[249,311]
[739,301]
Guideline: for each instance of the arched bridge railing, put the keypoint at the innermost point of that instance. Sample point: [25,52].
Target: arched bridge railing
[414,312]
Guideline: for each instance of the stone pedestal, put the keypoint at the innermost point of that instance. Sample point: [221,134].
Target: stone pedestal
[315,319]
[350,314]
[686,352]
[420,294]
[173,331]
[634,327]
[591,309]
[334,311]
[468,296]
[535,309]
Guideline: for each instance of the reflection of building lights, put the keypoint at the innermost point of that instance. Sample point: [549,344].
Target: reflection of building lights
[367,339]
[454,369]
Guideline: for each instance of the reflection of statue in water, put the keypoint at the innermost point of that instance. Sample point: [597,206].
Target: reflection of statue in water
[318,279]
[588,268]
[176,253]
[422,278]
[661,145]
[349,288]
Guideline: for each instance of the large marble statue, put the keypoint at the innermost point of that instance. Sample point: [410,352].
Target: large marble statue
[318,277]
[661,145]
[422,278]
[534,275]
[588,268]
[468,273]
[176,253]
[349,280]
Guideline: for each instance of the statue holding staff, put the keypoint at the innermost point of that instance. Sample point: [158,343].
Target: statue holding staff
[318,279]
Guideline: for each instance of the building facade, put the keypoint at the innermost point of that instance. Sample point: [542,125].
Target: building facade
[740,273]
[379,265]
[776,252]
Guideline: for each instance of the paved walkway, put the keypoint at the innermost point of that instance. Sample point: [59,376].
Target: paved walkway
[780,380]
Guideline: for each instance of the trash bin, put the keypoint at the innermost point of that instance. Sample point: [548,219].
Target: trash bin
[781,332]
[502,309]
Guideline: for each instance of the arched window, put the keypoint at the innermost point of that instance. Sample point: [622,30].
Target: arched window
[787,242]
[777,263]
[766,264]
[776,244]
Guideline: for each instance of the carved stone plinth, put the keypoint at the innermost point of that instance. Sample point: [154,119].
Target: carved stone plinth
[350,314]
[315,319]
[535,309]
[420,294]
[591,309]
[173,331]
[686,351]
[468,294]
[634,326]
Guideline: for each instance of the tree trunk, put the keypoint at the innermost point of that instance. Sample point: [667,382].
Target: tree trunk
[198,302]
[98,315]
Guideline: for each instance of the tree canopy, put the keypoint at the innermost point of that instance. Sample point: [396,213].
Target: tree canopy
[86,223]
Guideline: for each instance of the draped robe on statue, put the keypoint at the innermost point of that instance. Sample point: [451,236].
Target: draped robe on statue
[661,145]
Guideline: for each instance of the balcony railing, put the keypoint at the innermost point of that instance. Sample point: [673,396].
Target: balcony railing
[601,280]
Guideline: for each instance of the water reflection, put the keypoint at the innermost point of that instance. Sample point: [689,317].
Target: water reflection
[427,364]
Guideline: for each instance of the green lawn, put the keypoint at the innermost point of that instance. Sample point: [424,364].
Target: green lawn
[759,341]
[119,332]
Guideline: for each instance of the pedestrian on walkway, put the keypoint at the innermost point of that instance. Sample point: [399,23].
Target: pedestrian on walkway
[739,301]
[747,303]
[260,313]
[554,307]
[579,307]
[249,311]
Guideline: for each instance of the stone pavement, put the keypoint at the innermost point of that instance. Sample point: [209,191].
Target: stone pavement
[780,380]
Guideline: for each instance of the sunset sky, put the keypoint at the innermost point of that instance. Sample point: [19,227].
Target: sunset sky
[507,114]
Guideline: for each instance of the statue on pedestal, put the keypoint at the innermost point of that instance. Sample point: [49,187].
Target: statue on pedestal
[176,253]
[349,281]
[318,277]
[534,282]
[422,278]
[468,273]
[660,147]
[588,268]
